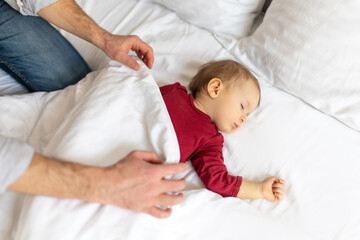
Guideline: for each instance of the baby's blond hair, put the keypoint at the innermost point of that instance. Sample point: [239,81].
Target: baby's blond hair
[225,70]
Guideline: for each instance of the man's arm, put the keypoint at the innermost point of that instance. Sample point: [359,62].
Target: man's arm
[67,15]
[136,182]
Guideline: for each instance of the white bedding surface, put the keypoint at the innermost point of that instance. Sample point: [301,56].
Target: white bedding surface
[317,156]
[9,86]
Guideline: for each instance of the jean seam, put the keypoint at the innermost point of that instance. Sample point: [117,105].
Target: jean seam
[18,74]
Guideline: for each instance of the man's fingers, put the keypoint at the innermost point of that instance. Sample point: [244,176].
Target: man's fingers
[147,156]
[144,52]
[146,57]
[130,62]
[173,185]
[164,169]
[170,200]
[149,58]
[159,213]
[172,168]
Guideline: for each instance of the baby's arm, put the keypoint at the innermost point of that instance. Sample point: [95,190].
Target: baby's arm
[271,189]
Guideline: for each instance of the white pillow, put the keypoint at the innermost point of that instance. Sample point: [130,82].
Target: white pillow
[232,18]
[311,49]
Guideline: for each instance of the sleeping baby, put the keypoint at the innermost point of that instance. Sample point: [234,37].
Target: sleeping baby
[224,93]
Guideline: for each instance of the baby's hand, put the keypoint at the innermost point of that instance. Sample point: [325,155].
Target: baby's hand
[273,189]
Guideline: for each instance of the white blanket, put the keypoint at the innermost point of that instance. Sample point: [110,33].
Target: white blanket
[98,121]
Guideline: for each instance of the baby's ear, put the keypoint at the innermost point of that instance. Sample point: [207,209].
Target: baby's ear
[215,85]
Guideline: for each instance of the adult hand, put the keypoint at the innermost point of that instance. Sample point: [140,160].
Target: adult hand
[67,15]
[117,47]
[138,182]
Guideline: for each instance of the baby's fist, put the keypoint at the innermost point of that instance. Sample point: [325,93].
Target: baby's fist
[273,189]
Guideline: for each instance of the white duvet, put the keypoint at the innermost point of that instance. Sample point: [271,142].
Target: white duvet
[98,121]
[317,155]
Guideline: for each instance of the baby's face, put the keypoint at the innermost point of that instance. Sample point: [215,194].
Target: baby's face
[233,105]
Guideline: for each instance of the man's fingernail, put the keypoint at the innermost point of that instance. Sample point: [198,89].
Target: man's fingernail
[134,66]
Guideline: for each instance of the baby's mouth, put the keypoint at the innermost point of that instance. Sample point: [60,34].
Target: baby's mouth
[236,126]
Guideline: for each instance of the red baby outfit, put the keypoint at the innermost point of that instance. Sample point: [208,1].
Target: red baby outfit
[199,141]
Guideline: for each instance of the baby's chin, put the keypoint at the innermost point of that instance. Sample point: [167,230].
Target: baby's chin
[229,130]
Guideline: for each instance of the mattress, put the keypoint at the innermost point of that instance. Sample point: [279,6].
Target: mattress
[317,155]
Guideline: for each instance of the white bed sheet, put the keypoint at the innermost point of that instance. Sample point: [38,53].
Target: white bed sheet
[9,86]
[317,156]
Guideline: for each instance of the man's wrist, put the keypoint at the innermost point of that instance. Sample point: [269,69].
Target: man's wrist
[99,37]
[93,178]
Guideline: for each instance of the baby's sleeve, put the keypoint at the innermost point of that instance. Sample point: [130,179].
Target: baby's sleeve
[171,87]
[208,163]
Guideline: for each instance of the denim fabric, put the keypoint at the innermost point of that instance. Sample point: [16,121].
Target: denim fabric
[35,54]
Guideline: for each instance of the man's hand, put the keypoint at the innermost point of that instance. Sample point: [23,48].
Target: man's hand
[138,183]
[117,47]
[67,15]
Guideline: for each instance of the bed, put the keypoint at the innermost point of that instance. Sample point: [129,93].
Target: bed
[306,131]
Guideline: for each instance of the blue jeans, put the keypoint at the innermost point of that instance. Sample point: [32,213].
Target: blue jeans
[35,54]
